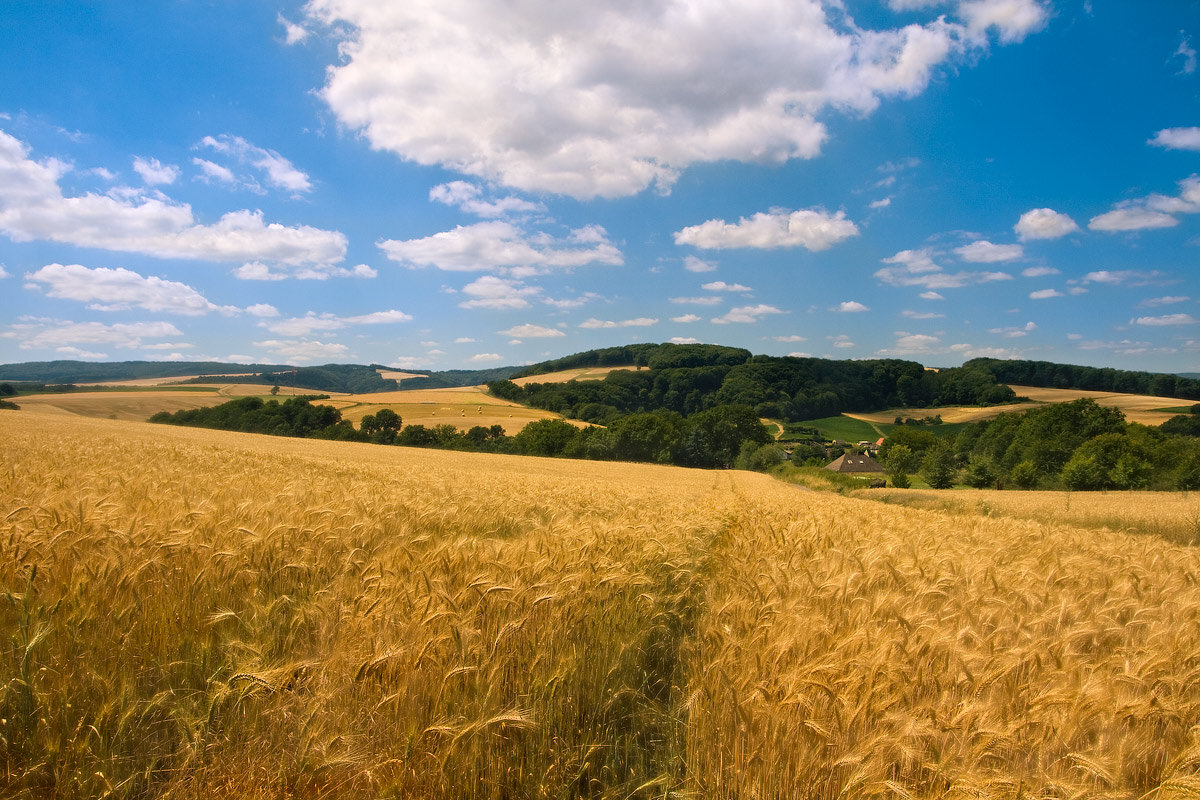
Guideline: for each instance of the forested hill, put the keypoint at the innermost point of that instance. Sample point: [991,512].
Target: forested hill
[97,371]
[687,379]
[1049,375]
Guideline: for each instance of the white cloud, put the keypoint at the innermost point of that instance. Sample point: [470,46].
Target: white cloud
[1044,223]
[568,303]
[1132,219]
[468,197]
[304,351]
[607,99]
[1187,53]
[487,246]
[485,358]
[722,286]
[488,291]
[530,331]
[597,324]
[882,203]
[263,310]
[1044,294]
[33,207]
[39,333]
[747,314]
[984,252]
[1015,332]
[850,306]
[842,341]
[1038,272]
[814,229]
[293,33]
[1177,138]
[931,296]
[120,290]
[258,271]
[1168,319]
[413,362]
[917,268]
[465,340]
[311,322]
[1013,19]
[684,340]
[1132,277]
[272,167]
[789,339]
[154,172]
[694,264]
[1169,300]
[921,314]
[686,318]
[696,301]
[3,273]
[210,171]
[908,344]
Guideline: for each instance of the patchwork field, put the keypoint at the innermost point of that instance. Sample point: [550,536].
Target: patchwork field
[195,613]
[142,404]
[581,374]
[1145,409]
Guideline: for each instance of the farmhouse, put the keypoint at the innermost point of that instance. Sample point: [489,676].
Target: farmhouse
[852,463]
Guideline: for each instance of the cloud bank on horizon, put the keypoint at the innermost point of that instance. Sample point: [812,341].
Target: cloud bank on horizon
[455,183]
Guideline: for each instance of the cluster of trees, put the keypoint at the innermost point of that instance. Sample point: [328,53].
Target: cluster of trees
[687,379]
[722,436]
[92,371]
[350,378]
[1102,379]
[1079,445]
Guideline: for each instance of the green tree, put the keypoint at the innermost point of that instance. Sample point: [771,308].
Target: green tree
[938,468]
[545,437]
[1024,475]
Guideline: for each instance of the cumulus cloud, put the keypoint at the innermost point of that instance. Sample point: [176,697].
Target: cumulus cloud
[694,264]
[1015,332]
[1167,320]
[696,301]
[686,318]
[3,273]
[39,333]
[530,331]
[120,290]
[1154,211]
[607,99]
[269,166]
[598,324]
[154,172]
[931,296]
[263,310]
[790,338]
[212,171]
[33,207]
[304,351]
[485,358]
[747,314]
[1044,223]
[684,340]
[469,198]
[258,271]
[917,268]
[908,344]
[1169,300]
[1038,272]
[814,228]
[850,307]
[984,252]
[1177,138]
[293,33]
[489,291]
[498,245]
[722,286]
[1130,277]
[1044,294]
[907,314]
[312,323]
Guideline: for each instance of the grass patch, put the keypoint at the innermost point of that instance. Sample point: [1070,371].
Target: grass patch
[846,429]
[820,479]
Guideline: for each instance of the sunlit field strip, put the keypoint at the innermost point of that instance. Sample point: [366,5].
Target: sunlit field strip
[197,613]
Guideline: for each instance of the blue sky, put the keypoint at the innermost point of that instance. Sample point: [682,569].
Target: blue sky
[463,184]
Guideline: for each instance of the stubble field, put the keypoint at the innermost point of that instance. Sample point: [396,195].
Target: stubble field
[193,613]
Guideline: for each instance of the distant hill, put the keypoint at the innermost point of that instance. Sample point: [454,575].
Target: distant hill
[99,371]
[1050,375]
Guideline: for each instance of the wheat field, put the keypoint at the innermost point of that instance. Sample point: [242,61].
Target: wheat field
[190,613]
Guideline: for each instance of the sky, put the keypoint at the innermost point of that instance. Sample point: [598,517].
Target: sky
[463,184]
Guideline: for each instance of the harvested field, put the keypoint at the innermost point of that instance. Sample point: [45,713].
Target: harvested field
[581,374]
[198,613]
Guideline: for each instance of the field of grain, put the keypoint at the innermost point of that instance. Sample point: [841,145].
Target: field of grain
[196,614]
[579,374]
[1145,409]
[1172,515]
[141,405]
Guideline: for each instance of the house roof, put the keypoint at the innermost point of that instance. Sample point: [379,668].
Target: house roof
[853,462]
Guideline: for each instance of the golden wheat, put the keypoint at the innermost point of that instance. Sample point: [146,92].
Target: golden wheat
[192,613]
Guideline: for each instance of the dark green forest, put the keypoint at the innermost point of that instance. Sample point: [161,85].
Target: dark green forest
[687,379]
[1049,375]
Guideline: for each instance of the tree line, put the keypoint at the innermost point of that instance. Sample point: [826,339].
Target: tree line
[1049,375]
[687,379]
[716,437]
[1079,445]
